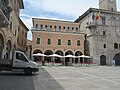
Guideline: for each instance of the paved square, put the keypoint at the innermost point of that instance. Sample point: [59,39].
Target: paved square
[86,78]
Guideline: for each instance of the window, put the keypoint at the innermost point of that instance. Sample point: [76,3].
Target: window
[76,28]
[103,21]
[63,27]
[55,27]
[25,34]
[78,42]
[49,41]
[111,9]
[21,57]
[45,26]
[51,26]
[38,41]
[59,27]
[41,26]
[115,46]
[104,45]
[22,32]
[59,41]
[36,25]
[72,28]
[18,28]
[104,33]
[68,28]
[69,42]
[10,25]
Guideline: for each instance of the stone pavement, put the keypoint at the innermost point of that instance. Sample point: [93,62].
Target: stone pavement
[86,78]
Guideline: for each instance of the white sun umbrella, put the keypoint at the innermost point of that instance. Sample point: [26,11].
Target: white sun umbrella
[39,54]
[84,56]
[55,55]
[71,56]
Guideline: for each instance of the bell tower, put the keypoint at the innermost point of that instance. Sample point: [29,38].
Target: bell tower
[108,5]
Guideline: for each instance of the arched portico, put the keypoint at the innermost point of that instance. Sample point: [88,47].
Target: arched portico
[117,59]
[48,52]
[78,60]
[68,59]
[37,58]
[58,59]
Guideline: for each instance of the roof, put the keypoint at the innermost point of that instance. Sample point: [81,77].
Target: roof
[21,4]
[21,22]
[53,20]
[96,10]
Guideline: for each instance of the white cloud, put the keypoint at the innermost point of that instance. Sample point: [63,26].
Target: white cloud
[68,7]
[45,8]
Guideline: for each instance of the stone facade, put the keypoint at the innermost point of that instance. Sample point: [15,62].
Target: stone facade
[9,22]
[103,34]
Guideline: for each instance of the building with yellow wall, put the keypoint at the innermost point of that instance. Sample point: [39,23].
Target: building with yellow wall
[57,37]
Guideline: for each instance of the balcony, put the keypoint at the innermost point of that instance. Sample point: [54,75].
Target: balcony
[5,10]
[91,25]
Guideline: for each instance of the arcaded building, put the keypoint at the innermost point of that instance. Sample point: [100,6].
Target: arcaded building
[57,37]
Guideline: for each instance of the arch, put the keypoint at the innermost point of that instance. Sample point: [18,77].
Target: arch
[37,51]
[78,53]
[68,52]
[115,46]
[102,60]
[48,52]
[1,45]
[59,52]
[37,58]
[67,59]
[117,59]
[58,59]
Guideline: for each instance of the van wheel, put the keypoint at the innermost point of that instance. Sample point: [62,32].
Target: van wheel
[28,71]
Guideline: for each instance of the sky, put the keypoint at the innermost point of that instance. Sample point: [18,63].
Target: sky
[68,10]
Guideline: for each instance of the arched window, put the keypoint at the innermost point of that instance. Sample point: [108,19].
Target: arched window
[115,46]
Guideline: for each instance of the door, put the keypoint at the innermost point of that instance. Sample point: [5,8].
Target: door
[103,60]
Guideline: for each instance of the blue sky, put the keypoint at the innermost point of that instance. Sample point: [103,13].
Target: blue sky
[68,10]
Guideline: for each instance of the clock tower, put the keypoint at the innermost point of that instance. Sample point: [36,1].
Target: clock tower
[108,5]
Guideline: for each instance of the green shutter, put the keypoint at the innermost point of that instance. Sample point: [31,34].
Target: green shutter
[38,41]
[78,43]
[49,41]
[59,41]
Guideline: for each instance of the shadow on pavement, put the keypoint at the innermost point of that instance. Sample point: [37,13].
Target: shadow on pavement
[9,73]
[44,81]
[16,81]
